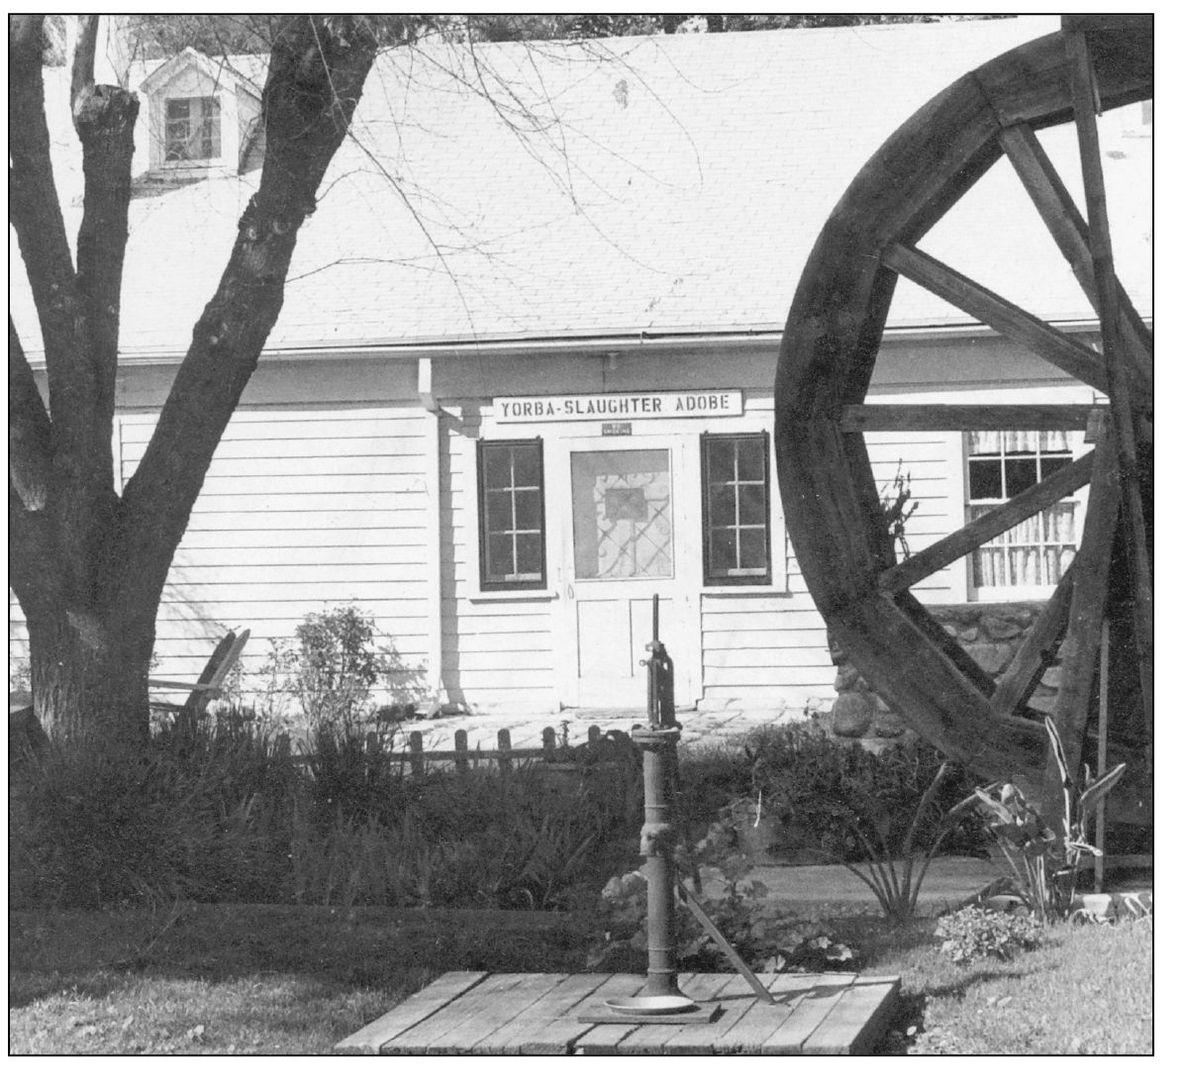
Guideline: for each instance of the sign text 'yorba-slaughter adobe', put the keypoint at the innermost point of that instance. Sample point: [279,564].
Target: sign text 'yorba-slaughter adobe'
[600,406]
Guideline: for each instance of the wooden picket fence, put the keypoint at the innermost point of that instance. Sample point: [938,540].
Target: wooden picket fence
[461,758]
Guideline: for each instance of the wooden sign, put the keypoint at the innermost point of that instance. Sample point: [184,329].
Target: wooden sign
[618,406]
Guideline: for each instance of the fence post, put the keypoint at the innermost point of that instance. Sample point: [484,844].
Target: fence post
[372,744]
[503,746]
[461,751]
[548,743]
[416,741]
[593,735]
[283,746]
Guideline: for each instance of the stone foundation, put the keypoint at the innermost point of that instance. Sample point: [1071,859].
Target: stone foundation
[990,633]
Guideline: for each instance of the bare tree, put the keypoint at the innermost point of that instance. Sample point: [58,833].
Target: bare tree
[87,565]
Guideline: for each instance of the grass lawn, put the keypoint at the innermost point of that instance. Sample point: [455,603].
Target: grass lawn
[248,979]
[1087,990]
[258,979]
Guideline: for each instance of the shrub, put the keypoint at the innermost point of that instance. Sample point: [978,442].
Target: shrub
[976,932]
[832,792]
[336,667]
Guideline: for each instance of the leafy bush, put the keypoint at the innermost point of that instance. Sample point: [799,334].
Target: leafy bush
[338,664]
[976,932]
[833,792]
[194,817]
[218,811]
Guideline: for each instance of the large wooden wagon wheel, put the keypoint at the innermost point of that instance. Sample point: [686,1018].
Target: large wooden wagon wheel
[831,500]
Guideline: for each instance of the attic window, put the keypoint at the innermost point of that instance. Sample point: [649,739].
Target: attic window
[192,129]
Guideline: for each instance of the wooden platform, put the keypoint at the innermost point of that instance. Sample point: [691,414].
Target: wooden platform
[469,1012]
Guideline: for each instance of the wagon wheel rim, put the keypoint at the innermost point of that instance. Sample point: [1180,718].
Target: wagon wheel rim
[827,357]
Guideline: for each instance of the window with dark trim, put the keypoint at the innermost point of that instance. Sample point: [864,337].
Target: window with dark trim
[1000,465]
[512,521]
[192,128]
[735,538]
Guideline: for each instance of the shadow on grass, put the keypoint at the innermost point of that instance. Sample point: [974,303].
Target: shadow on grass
[92,953]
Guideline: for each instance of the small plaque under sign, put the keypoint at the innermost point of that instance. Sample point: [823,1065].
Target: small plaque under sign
[616,428]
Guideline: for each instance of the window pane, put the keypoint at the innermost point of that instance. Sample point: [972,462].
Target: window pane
[751,504]
[752,549]
[529,506]
[498,511]
[530,554]
[1053,463]
[720,460]
[985,479]
[527,466]
[750,458]
[1020,474]
[499,555]
[621,514]
[497,465]
[723,553]
[721,505]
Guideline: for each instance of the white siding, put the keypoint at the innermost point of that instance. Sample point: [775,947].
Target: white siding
[498,650]
[302,510]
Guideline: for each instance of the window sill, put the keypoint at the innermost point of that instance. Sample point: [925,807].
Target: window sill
[510,594]
[745,590]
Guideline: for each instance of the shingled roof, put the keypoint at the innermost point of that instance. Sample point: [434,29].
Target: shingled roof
[630,186]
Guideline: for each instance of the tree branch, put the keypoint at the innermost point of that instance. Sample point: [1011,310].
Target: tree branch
[82,71]
[318,68]
[34,210]
[104,117]
[30,434]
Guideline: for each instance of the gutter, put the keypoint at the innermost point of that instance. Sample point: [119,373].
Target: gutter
[592,345]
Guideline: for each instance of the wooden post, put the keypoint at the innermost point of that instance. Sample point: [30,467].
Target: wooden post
[1102,758]
[283,746]
[373,746]
[1084,103]
[461,740]
[548,743]
[593,735]
[416,742]
[504,746]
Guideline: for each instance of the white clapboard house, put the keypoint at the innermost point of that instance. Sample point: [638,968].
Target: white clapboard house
[522,380]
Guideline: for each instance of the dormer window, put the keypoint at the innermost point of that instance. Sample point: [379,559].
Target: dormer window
[192,129]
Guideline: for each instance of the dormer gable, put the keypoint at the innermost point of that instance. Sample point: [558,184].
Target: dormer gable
[201,116]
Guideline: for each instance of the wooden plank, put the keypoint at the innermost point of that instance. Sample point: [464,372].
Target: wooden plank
[965,417]
[855,1023]
[1055,205]
[804,1019]
[949,548]
[652,1037]
[1037,651]
[416,1008]
[1007,318]
[546,1025]
[1047,492]
[499,1001]
[1090,592]
[604,1039]
[946,643]
[736,999]
[1080,66]
[753,1025]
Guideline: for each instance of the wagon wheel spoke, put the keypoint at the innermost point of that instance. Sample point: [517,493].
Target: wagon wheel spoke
[1007,318]
[1037,652]
[1086,611]
[1084,101]
[1063,220]
[1056,487]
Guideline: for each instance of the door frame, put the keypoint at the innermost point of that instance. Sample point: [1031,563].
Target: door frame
[685,517]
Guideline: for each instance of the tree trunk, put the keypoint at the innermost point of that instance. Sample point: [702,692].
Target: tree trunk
[90,675]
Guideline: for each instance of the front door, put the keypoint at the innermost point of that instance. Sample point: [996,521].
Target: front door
[623,526]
